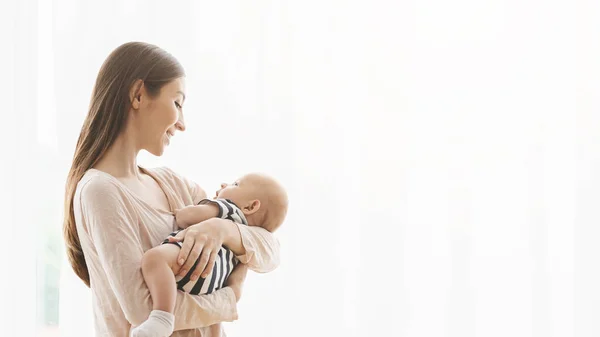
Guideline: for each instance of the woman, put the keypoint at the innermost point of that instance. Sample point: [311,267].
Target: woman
[116,210]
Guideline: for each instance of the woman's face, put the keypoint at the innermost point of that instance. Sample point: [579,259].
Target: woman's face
[158,118]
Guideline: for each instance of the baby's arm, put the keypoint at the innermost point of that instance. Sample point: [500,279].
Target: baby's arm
[192,215]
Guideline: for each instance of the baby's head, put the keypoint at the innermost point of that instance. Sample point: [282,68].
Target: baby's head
[261,198]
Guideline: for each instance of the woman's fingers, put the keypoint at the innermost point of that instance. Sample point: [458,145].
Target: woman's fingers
[186,247]
[202,263]
[211,263]
[174,239]
[178,237]
[199,250]
[191,257]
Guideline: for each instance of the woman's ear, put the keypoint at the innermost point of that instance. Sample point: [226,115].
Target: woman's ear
[135,94]
[252,207]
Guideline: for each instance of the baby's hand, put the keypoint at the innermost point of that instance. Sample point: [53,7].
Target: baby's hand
[184,217]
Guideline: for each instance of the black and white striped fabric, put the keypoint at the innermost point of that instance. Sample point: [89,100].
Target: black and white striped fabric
[225,261]
[227,210]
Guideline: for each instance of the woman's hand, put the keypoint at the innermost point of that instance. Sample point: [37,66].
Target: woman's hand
[236,280]
[201,242]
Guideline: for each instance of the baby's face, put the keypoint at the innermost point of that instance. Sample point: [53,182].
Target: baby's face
[240,191]
[258,195]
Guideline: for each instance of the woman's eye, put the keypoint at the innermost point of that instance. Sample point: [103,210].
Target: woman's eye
[178,105]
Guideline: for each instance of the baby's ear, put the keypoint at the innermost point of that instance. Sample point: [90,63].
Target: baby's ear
[252,207]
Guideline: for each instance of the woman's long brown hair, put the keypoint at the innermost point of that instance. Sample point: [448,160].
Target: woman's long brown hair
[106,118]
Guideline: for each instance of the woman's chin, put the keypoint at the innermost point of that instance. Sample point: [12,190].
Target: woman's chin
[158,151]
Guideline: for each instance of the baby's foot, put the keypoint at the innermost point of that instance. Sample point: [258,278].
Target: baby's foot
[159,324]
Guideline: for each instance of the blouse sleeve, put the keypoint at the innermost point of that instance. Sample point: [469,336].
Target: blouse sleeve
[262,248]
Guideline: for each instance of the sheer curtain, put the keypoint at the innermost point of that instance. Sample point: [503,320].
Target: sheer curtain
[441,158]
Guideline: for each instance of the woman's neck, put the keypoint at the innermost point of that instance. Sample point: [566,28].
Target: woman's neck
[120,160]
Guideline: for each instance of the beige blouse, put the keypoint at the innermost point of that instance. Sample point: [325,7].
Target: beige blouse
[116,228]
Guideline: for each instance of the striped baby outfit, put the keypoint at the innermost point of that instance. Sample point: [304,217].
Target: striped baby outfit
[225,260]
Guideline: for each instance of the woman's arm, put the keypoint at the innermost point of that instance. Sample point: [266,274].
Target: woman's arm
[109,221]
[252,245]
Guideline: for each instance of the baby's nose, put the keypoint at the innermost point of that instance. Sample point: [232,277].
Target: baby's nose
[223,185]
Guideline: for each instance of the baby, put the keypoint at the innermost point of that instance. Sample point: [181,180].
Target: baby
[253,200]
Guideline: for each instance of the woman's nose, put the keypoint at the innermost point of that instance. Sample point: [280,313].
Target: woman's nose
[180,124]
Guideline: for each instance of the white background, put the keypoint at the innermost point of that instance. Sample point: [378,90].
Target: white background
[441,157]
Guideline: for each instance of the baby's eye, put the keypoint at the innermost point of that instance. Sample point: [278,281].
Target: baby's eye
[236,184]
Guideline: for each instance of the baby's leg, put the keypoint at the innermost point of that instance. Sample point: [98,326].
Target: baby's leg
[158,266]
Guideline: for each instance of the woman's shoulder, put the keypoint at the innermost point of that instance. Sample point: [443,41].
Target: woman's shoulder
[96,184]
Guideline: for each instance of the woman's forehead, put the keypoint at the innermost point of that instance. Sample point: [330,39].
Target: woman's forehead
[176,86]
